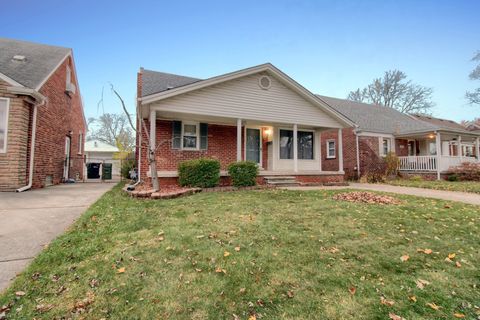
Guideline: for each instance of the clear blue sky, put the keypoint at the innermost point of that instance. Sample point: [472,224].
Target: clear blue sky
[330,47]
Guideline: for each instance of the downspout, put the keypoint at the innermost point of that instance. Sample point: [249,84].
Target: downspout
[32,148]
[357,153]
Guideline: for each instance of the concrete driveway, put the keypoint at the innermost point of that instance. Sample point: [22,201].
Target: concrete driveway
[32,219]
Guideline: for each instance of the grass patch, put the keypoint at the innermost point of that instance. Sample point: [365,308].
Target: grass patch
[275,254]
[462,186]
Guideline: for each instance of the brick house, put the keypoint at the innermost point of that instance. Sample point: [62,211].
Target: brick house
[424,144]
[258,114]
[42,125]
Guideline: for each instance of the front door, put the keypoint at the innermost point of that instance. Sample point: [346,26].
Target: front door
[66,163]
[253,145]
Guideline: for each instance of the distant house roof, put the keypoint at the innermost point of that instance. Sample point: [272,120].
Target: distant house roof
[155,82]
[379,119]
[99,146]
[441,123]
[29,63]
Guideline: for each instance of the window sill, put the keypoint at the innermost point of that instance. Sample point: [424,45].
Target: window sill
[331,158]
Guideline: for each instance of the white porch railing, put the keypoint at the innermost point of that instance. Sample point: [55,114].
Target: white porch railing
[418,163]
[429,163]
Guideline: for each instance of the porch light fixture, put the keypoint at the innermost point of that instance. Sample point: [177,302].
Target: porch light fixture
[268,133]
[431,136]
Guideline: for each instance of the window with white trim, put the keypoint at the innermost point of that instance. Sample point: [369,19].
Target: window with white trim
[80,142]
[386,146]
[331,149]
[304,144]
[4,104]
[68,77]
[190,135]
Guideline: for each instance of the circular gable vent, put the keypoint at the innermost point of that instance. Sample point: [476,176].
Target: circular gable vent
[264,82]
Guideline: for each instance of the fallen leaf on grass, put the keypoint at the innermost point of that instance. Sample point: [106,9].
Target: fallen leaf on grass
[220,270]
[393,316]
[412,298]
[433,306]
[404,257]
[243,290]
[121,270]
[252,317]
[458,264]
[352,290]
[20,293]
[198,270]
[366,197]
[426,251]
[421,283]
[43,307]
[459,315]
[237,249]
[290,294]
[386,302]
[226,254]
[451,256]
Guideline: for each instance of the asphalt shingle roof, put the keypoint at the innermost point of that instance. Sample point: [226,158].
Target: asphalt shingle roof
[155,82]
[441,123]
[375,118]
[40,61]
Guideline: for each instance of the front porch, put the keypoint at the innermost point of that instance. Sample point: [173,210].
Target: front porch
[438,151]
[279,149]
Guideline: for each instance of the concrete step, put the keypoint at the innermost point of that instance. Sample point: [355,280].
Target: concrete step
[273,178]
[281,181]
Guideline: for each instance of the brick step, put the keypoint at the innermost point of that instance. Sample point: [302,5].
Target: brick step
[273,178]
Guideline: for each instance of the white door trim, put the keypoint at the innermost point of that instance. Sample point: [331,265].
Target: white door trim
[260,149]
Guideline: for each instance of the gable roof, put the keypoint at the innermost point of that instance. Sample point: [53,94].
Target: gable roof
[40,61]
[378,119]
[195,84]
[155,82]
[99,146]
[444,124]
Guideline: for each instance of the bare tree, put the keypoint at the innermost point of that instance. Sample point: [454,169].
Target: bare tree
[473,97]
[393,90]
[112,129]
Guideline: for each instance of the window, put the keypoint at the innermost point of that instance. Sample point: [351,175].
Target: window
[286,144]
[69,76]
[432,148]
[3,124]
[190,135]
[304,144]
[385,146]
[330,149]
[80,142]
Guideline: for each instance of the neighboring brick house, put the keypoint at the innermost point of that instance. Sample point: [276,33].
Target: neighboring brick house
[424,144]
[257,114]
[42,125]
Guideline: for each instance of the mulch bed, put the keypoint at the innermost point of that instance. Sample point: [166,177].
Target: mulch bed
[366,197]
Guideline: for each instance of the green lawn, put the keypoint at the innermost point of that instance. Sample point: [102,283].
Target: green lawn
[463,186]
[273,254]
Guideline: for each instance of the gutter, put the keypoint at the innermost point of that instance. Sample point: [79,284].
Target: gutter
[40,101]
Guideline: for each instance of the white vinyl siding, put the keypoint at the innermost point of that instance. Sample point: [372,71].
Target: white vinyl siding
[244,99]
[4,106]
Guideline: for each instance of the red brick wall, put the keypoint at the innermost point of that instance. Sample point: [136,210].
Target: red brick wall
[222,146]
[61,116]
[401,147]
[13,163]
[349,152]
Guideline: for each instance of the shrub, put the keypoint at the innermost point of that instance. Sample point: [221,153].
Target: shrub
[376,173]
[201,173]
[452,177]
[391,162]
[467,171]
[243,174]
[127,166]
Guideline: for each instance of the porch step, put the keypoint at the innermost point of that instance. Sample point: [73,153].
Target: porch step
[282,181]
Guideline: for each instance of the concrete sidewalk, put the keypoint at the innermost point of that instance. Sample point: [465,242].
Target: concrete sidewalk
[465,197]
[32,219]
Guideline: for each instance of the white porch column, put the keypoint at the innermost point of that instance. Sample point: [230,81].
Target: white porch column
[340,150]
[438,142]
[239,140]
[460,150]
[295,148]
[477,147]
[153,127]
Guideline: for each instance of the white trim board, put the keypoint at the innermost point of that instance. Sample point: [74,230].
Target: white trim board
[9,80]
